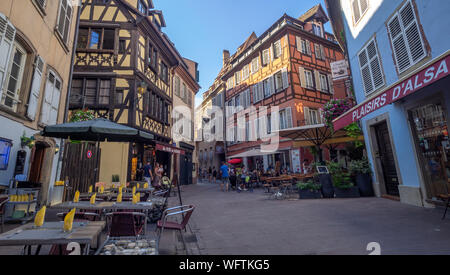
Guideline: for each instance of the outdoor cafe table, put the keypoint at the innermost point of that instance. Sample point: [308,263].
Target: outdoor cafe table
[86,234]
[84,205]
[110,196]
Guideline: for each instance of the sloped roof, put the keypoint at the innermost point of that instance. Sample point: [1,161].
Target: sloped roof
[316,10]
[252,38]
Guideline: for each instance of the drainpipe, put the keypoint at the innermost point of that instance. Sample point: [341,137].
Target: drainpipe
[69,85]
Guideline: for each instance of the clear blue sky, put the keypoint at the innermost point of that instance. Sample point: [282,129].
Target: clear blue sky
[202,29]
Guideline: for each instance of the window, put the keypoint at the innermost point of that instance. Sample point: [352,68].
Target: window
[268,87]
[255,65]
[309,79]
[369,63]
[50,105]
[97,39]
[119,98]
[183,91]
[406,39]
[277,49]
[323,83]
[317,30]
[238,77]
[142,8]
[258,92]
[230,83]
[303,46]
[177,86]
[41,4]
[286,119]
[64,19]
[122,46]
[153,62]
[319,51]
[359,9]
[266,57]
[13,81]
[164,72]
[246,72]
[278,81]
[246,98]
[95,92]
[5,151]
[312,116]
[237,101]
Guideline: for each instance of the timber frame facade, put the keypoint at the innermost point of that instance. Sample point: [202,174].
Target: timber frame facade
[122,72]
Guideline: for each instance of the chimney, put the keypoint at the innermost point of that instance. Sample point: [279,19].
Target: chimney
[226,57]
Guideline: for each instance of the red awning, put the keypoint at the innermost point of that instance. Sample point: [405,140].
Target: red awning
[169,149]
[435,70]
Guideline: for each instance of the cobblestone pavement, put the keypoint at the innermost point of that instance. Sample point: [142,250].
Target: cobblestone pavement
[250,224]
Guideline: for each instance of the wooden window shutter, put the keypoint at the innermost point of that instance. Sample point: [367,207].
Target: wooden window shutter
[33,101]
[285,77]
[289,118]
[321,119]
[317,51]
[308,47]
[298,41]
[7,36]
[330,84]
[302,77]
[317,80]
[48,97]
[307,115]
[271,52]
[272,84]
[322,52]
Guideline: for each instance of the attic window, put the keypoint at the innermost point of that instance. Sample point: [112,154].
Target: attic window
[359,9]
[142,8]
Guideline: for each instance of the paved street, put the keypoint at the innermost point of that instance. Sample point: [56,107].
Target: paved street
[248,223]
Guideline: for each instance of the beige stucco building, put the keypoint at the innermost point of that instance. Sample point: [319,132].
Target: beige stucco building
[36,38]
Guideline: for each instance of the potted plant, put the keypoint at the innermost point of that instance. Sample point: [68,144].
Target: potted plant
[309,190]
[343,186]
[363,174]
[115,181]
[27,141]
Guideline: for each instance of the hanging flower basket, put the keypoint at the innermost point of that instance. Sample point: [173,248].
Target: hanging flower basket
[335,108]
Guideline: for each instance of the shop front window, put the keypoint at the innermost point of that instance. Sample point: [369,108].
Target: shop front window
[5,150]
[429,123]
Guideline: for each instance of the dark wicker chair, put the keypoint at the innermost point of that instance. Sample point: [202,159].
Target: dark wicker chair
[126,224]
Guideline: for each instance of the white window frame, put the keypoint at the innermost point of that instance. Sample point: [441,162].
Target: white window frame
[309,77]
[255,68]
[402,34]
[246,72]
[361,12]
[277,51]
[238,77]
[266,53]
[230,83]
[324,82]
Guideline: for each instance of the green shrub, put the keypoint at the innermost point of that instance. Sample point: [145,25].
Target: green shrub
[341,179]
[360,166]
[310,185]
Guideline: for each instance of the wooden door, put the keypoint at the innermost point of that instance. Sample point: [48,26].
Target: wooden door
[36,165]
[386,156]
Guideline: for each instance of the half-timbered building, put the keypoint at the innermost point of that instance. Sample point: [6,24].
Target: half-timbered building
[122,72]
[287,67]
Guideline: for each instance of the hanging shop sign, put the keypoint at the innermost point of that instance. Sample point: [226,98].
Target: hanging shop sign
[427,76]
[169,149]
[339,69]
[89,154]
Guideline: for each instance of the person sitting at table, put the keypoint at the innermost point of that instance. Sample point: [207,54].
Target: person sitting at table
[157,177]
[306,167]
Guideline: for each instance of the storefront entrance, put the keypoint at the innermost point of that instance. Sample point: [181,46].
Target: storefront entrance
[386,157]
[430,130]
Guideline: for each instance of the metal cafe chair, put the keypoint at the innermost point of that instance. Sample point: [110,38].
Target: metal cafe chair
[446,198]
[184,211]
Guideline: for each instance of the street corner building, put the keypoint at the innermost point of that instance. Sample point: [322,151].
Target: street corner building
[125,70]
[400,66]
[287,67]
[36,39]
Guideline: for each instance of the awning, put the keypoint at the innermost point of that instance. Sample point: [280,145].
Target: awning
[253,153]
[428,74]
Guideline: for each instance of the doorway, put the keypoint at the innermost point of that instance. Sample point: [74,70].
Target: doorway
[385,155]
[36,164]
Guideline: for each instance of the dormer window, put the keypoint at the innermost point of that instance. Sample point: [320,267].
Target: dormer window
[142,8]
[317,30]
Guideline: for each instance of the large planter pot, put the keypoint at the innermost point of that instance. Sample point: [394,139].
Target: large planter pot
[364,183]
[349,193]
[327,186]
[309,194]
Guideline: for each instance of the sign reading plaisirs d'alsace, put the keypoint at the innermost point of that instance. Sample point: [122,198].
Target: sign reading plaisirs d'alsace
[432,73]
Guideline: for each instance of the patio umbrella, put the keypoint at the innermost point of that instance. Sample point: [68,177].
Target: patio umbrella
[96,130]
[235,161]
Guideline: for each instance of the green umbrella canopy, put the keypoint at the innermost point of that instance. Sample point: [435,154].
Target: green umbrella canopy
[96,130]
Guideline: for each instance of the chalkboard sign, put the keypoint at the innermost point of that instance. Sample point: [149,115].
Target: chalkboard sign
[20,162]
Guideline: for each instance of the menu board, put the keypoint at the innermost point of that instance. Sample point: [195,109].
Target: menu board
[296,166]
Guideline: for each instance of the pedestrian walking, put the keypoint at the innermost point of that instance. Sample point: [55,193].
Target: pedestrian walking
[148,174]
[225,177]
[214,175]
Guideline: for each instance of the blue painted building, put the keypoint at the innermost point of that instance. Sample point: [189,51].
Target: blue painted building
[398,52]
